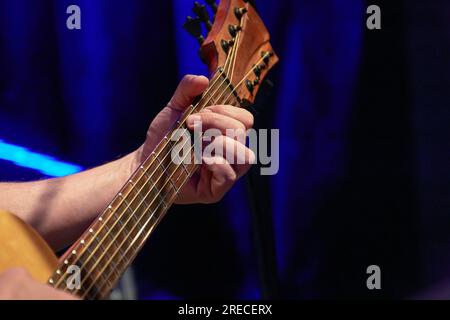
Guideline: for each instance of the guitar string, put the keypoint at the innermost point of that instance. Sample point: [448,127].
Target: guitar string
[265,56]
[142,202]
[131,246]
[158,219]
[154,160]
[142,174]
[166,183]
[145,173]
[108,277]
[146,235]
[222,93]
[241,25]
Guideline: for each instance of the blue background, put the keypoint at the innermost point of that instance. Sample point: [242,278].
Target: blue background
[364,118]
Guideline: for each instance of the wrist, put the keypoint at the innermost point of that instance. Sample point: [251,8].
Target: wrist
[132,162]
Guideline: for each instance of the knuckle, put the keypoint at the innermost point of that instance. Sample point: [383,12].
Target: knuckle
[214,118]
[214,108]
[232,177]
[249,119]
[242,126]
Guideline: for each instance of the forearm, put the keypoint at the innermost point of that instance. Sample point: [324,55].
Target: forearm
[61,209]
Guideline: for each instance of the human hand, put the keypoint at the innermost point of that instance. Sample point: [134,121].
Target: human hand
[17,284]
[216,175]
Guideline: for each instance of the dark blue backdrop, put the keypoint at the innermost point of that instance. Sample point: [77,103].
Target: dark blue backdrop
[364,174]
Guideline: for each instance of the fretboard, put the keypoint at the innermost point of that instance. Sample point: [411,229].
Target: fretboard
[112,242]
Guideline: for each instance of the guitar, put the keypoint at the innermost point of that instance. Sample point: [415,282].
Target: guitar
[239,55]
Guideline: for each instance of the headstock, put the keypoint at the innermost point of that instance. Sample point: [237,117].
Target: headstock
[237,45]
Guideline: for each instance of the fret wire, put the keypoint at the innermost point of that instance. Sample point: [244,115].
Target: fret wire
[163,202]
[165,171]
[214,82]
[152,215]
[175,189]
[132,215]
[134,185]
[151,229]
[165,205]
[158,195]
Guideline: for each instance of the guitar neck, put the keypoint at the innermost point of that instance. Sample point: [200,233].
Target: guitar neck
[112,242]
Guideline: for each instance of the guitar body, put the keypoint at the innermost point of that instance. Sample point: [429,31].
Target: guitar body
[23,247]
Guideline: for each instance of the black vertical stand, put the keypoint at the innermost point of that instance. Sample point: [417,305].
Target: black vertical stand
[259,194]
[263,234]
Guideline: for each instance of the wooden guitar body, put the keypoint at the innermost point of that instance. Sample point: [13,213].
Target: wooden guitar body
[23,247]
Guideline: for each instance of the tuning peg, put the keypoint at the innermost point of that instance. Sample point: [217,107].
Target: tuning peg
[249,86]
[202,13]
[239,12]
[194,28]
[257,70]
[212,4]
[226,45]
[233,30]
[266,56]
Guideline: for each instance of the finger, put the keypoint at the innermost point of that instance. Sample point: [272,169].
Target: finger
[222,179]
[235,152]
[190,87]
[211,120]
[240,114]
[49,293]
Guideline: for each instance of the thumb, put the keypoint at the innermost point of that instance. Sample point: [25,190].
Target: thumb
[190,87]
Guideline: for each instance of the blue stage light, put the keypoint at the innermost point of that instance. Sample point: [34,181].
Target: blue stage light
[45,164]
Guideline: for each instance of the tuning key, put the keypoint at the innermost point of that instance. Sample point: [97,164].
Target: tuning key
[249,86]
[202,13]
[239,12]
[266,56]
[233,30]
[212,4]
[226,45]
[257,70]
[194,28]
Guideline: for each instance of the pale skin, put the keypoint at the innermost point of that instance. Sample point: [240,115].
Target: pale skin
[61,209]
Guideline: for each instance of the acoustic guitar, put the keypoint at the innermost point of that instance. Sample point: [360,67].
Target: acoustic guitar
[239,55]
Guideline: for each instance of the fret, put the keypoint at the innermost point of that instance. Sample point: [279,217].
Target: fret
[158,192]
[102,251]
[165,169]
[93,294]
[184,168]
[133,212]
[164,203]
[110,236]
[117,251]
[211,98]
[145,172]
[127,206]
[139,193]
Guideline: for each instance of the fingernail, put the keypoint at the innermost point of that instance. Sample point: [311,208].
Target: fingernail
[191,120]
